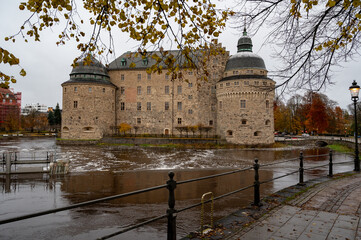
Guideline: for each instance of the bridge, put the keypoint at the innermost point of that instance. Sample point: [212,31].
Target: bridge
[320,141]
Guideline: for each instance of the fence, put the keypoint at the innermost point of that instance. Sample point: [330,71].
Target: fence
[11,160]
[171,185]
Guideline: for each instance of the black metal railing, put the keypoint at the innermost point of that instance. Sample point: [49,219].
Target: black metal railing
[171,185]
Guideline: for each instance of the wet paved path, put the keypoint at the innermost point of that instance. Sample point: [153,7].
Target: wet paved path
[330,210]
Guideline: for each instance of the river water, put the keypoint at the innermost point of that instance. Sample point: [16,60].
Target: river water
[100,171]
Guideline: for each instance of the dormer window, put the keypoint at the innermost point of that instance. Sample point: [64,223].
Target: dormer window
[123,62]
[145,61]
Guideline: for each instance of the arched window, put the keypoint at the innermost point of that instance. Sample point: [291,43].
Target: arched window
[229,133]
[268,122]
[65,129]
[267,103]
[88,129]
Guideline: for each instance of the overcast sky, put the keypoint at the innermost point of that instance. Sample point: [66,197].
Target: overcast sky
[48,65]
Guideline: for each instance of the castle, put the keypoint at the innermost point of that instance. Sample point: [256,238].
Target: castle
[235,103]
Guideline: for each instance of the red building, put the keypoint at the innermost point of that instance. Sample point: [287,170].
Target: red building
[10,107]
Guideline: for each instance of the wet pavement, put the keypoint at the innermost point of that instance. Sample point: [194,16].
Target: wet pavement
[322,209]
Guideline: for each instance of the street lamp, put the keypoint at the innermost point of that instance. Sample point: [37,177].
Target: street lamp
[354,89]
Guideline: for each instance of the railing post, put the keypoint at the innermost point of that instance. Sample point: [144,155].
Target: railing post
[330,170]
[171,212]
[257,201]
[300,182]
[8,163]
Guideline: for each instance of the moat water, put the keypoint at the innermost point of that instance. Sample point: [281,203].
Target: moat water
[99,171]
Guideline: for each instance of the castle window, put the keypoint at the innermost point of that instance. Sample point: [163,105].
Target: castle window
[190,73]
[249,71]
[149,90]
[149,106]
[122,90]
[258,133]
[139,90]
[190,96]
[166,90]
[268,122]
[267,103]
[123,62]
[64,89]
[103,89]
[79,117]
[179,89]
[220,105]
[235,72]
[122,77]
[221,85]
[236,83]
[256,83]
[210,122]
[139,120]
[88,129]
[264,83]
[139,77]
[246,83]
[122,106]
[244,121]
[190,84]
[149,76]
[229,133]
[261,72]
[90,89]
[75,89]
[166,106]
[190,111]
[179,120]
[166,76]
[139,106]
[179,106]
[145,61]
[243,103]
[75,104]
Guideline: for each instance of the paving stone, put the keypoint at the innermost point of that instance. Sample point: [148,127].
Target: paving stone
[345,224]
[341,233]
[289,210]
[277,219]
[261,231]
[326,216]
[311,236]
[319,227]
[289,231]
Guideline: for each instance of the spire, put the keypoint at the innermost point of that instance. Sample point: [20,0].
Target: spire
[245,42]
[244,27]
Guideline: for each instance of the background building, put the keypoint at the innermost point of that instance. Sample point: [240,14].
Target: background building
[10,105]
[34,107]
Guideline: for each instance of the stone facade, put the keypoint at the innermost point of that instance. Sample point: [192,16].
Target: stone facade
[236,102]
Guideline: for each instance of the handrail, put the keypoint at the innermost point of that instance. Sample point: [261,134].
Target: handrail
[171,185]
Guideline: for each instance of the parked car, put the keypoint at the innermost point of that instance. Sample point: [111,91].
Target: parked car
[305,135]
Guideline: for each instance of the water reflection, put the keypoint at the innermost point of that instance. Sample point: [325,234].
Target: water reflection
[104,171]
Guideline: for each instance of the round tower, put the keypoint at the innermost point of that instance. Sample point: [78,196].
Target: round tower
[88,102]
[245,98]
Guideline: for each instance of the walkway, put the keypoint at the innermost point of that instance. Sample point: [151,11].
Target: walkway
[331,210]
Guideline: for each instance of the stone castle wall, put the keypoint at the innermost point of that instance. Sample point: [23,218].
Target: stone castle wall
[88,110]
[245,110]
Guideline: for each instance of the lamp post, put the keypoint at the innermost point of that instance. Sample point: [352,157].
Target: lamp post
[354,89]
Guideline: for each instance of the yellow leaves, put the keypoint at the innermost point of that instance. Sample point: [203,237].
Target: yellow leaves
[132,65]
[21,7]
[22,72]
[331,3]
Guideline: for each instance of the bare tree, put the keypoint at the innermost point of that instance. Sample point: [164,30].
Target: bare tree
[311,37]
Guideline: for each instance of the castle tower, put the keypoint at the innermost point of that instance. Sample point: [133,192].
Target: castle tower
[88,102]
[245,98]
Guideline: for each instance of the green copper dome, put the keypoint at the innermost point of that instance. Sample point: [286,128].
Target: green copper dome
[244,43]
